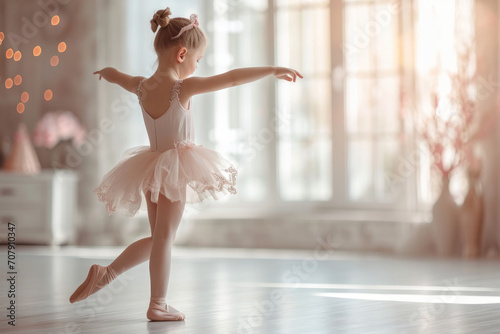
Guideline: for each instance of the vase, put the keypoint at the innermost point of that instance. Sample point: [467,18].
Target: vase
[58,154]
[445,222]
[22,157]
[471,218]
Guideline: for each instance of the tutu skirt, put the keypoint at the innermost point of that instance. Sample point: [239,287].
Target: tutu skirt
[187,172]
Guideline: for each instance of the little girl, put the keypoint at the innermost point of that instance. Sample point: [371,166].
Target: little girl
[173,170]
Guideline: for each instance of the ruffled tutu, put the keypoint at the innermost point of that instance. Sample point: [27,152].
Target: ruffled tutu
[187,172]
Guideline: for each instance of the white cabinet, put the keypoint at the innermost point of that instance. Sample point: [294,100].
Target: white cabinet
[43,207]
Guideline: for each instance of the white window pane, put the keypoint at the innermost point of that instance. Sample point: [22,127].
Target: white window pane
[389,164]
[316,41]
[281,3]
[356,42]
[360,166]
[303,40]
[240,126]
[304,116]
[388,107]
[374,170]
[359,101]
[384,27]
[373,105]
[224,6]
[370,34]
[370,1]
[307,106]
[372,98]
[305,169]
[305,154]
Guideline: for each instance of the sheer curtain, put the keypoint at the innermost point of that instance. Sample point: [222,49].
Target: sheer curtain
[441,29]
[437,34]
[488,40]
[374,128]
[111,114]
[304,148]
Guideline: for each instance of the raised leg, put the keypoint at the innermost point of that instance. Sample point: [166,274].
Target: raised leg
[134,254]
[139,251]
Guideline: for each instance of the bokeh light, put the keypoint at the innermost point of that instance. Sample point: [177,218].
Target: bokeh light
[17,80]
[55,20]
[2,36]
[8,83]
[54,60]
[48,95]
[20,107]
[9,53]
[37,51]
[25,97]
[17,56]
[61,47]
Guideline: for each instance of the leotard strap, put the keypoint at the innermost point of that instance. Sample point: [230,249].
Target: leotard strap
[176,90]
[139,89]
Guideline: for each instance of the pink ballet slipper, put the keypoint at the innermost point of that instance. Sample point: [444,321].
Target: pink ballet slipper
[157,312]
[91,284]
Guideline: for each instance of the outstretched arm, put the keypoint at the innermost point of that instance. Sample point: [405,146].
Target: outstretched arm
[126,81]
[199,85]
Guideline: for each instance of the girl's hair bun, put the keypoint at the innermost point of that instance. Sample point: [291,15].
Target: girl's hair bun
[160,18]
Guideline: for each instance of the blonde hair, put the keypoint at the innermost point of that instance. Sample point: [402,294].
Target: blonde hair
[170,27]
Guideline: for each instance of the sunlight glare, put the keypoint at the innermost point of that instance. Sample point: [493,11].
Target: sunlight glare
[365,287]
[430,299]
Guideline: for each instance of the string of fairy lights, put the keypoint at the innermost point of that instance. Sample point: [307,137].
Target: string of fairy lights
[16,56]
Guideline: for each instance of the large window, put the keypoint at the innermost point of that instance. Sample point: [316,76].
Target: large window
[337,136]
[331,137]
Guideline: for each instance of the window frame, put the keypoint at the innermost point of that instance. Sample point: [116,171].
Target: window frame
[339,200]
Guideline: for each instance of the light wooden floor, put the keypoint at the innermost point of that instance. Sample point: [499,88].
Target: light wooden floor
[236,291]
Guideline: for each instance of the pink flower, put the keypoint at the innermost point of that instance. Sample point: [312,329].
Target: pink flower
[56,126]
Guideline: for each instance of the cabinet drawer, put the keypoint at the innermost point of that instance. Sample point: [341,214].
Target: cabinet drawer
[28,220]
[24,192]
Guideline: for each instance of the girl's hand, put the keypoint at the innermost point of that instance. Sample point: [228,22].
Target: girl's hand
[287,74]
[99,72]
[103,72]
